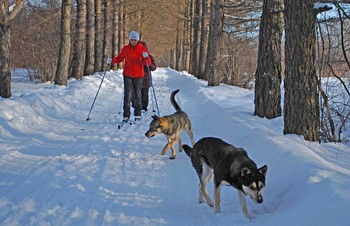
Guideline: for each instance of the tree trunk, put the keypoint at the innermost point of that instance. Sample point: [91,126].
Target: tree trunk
[5,71]
[98,36]
[115,28]
[215,34]
[189,36]
[61,77]
[184,38]
[125,24]
[121,25]
[178,48]
[268,73]
[203,41]
[301,105]
[78,61]
[196,39]
[90,42]
[172,58]
[107,32]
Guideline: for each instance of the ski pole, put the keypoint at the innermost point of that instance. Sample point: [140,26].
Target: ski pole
[154,93]
[150,79]
[121,103]
[155,98]
[88,117]
[152,99]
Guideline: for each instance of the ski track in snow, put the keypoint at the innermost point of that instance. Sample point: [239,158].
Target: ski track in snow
[59,169]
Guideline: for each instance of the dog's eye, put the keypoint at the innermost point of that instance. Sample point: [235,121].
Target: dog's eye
[261,185]
[252,187]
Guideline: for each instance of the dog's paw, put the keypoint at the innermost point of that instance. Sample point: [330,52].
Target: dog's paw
[211,204]
[247,214]
[217,210]
[172,157]
[250,217]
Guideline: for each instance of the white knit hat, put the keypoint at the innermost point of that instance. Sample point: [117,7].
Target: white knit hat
[134,35]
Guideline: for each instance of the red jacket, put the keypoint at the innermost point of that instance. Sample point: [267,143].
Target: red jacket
[134,62]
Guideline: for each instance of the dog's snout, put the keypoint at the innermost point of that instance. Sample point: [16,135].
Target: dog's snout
[149,134]
[260,199]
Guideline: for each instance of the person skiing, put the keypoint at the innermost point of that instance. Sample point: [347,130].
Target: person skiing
[136,57]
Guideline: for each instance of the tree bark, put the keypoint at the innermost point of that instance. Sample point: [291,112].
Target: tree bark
[107,32]
[268,74]
[178,47]
[121,25]
[78,61]
[301,105]
[203,40]
[62,71]
[98,36]
[5,71]
[196,39]
[215,35]
[184,37]
[115,28]
[90,53]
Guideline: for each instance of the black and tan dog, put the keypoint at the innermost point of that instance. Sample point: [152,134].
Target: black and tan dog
[171,126]
[229,164]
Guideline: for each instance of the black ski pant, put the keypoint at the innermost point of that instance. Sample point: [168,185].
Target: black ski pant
[144,98]
[132,89]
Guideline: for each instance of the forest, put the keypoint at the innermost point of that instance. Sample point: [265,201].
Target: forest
[283,49]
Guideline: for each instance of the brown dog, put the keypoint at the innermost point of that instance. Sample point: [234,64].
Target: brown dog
[171,126]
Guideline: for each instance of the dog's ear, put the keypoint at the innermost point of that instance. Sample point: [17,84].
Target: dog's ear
[162,122]
[155,117]
[263,170]
[245,171]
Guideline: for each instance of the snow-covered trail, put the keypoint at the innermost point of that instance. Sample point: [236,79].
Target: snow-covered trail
[56,168]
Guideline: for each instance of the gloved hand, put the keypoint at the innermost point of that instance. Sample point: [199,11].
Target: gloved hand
[144,54]
[109,60]
[115,67]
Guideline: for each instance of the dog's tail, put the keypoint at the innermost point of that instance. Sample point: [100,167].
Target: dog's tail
[188,150]
[173,101]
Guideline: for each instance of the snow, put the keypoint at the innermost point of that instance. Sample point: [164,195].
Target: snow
[56,168]
[319,5]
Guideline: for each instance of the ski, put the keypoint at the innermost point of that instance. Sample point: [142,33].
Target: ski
[120,125]
[135,122]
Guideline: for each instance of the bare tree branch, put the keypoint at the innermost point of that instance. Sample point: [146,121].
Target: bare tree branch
[335,75]
[332,1]
[16,8]
[340,8]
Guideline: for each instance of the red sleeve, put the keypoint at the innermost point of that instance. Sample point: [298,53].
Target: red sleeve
[120,57]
